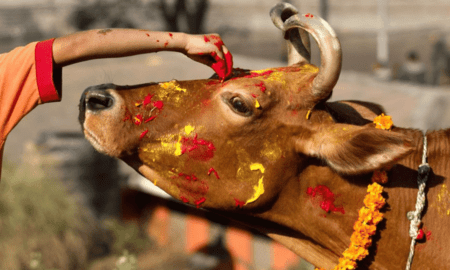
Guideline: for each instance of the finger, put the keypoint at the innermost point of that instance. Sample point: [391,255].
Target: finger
[204,59]
[219,67]
[217,54]
[229,62]
[217,42]
[223,62]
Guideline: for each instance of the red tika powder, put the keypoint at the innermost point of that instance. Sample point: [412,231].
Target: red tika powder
[188,177]
[323,196]
[147,99]
[158,104]
[197,149]
[137,120]
[239,203]
[199,202]
[212,170]
[143,134]
[149,119]
[261,86]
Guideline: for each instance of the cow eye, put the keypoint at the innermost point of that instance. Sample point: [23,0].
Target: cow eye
[239,105]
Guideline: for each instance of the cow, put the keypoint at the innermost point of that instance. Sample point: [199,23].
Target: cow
[267,148]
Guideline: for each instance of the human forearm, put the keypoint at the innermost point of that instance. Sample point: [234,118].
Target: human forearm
[106,43]
[93,44]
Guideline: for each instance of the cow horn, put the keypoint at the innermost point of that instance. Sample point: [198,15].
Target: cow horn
[330,51]
[298,46]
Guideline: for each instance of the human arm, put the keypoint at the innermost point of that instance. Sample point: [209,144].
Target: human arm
[31,75]
[107,43]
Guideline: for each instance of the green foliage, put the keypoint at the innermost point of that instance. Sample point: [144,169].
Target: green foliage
[126,236]
[36,262]
[43,227]
[39,220]
[32,202]
[126,262]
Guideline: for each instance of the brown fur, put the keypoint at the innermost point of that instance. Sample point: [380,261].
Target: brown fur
[337,147]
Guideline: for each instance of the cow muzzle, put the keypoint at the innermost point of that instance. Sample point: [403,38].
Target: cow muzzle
[95,99]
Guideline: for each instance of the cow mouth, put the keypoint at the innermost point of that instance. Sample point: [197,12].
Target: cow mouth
[143,169]
[93,139]
[148,172]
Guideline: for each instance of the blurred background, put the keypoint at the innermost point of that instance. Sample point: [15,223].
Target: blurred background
[64,206]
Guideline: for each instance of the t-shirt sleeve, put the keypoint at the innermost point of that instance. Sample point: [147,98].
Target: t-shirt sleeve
[28,77]
[48,77]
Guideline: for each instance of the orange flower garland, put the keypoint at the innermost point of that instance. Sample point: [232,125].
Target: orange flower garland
[383,122]
[365,227]
[380,176]
[369,216]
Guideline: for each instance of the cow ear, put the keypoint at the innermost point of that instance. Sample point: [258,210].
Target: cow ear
[350,149]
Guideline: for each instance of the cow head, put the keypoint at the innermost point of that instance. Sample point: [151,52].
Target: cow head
[234,144]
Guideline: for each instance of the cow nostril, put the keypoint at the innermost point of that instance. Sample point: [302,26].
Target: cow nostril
[96,101]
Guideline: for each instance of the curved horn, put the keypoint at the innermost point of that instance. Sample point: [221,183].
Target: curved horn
[330,51]
[298,46]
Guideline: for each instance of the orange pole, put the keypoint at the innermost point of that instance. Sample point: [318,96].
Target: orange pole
[197,232]
[158,225]
[239,242]
[283,257]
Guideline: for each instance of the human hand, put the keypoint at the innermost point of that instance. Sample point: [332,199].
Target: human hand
[211,51]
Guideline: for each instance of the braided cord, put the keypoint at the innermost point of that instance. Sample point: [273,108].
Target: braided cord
[415,216]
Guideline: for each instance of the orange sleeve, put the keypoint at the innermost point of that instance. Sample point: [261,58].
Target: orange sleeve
[28,77]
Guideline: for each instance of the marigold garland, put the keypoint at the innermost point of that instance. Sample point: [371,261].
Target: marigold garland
[365,227]
[383,122]
[369,215]
[380,176]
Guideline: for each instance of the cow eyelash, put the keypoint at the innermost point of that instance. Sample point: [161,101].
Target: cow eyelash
[239,105]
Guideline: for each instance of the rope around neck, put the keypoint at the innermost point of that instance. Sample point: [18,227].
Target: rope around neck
[415,216]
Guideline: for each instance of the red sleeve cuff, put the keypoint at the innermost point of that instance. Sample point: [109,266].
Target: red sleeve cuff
[48,77]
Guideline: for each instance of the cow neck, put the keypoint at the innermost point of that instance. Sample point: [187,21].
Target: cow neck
[325,236]
[322,235]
